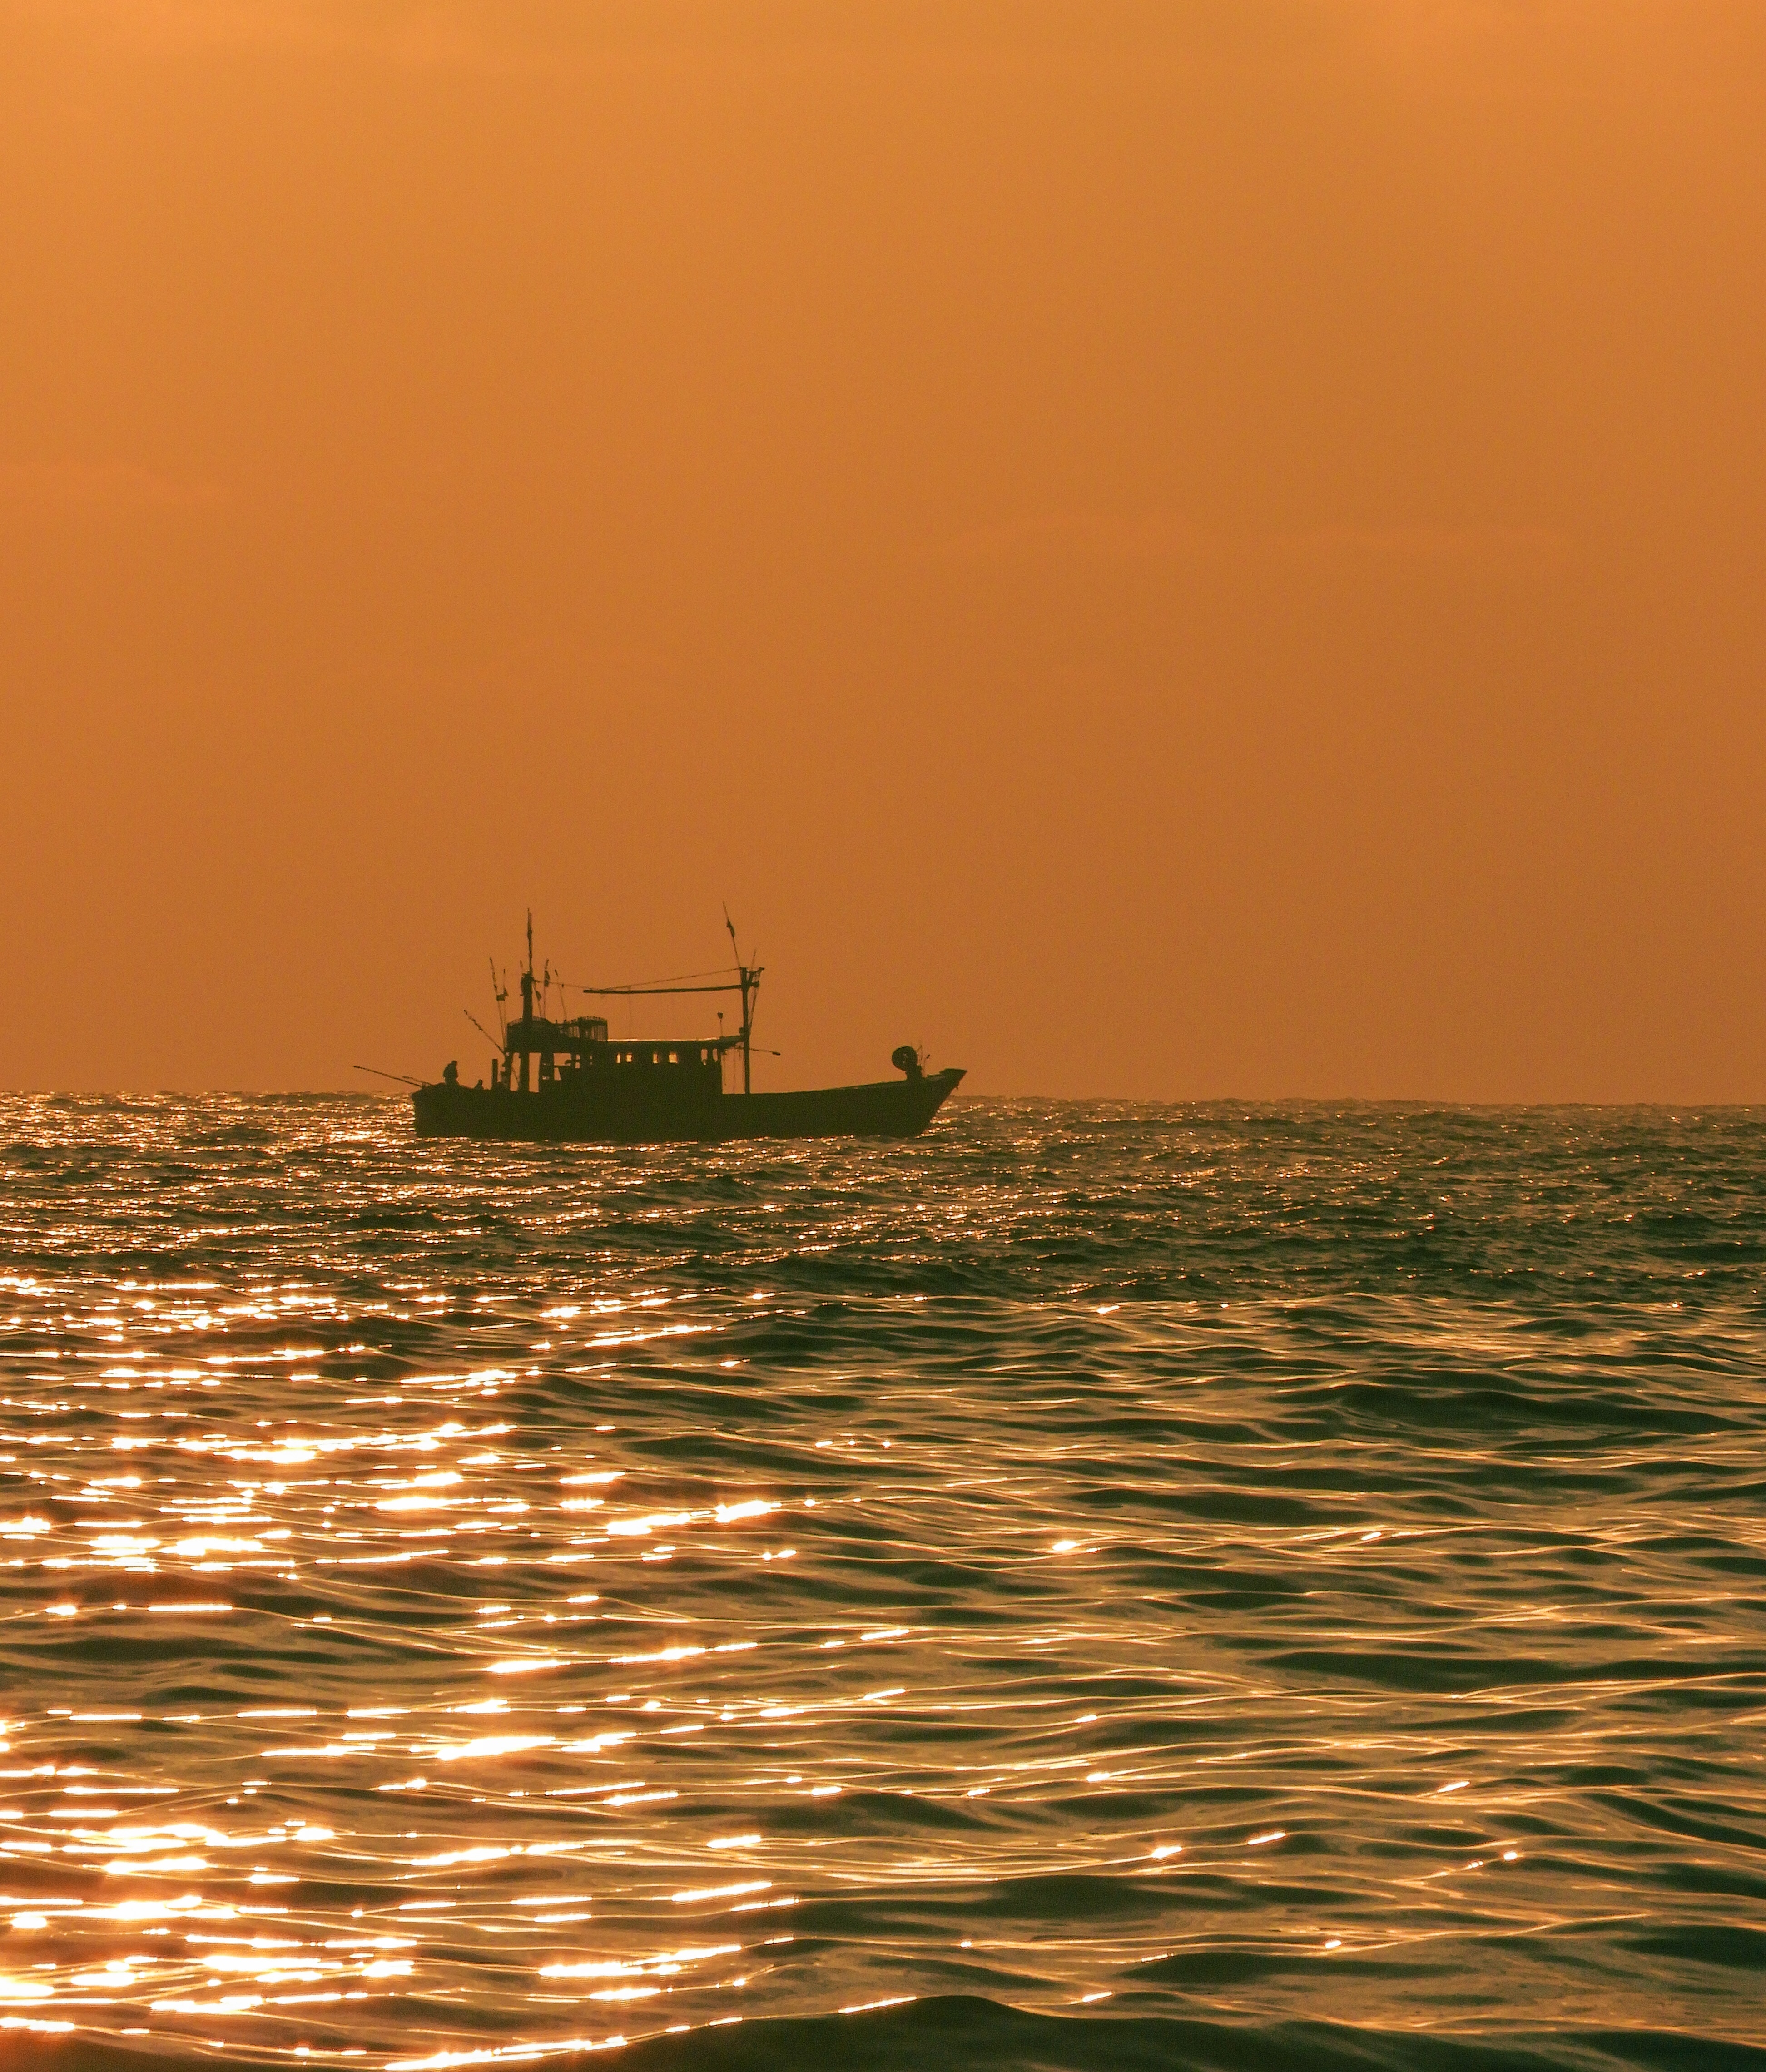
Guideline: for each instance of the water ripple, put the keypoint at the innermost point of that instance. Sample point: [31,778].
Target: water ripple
[1100,1585]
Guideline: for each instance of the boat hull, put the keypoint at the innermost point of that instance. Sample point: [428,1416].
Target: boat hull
[568,1111]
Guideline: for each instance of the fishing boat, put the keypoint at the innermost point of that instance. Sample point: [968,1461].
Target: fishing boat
[563,1080]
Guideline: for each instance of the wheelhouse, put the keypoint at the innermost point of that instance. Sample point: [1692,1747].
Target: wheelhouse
[537,1051]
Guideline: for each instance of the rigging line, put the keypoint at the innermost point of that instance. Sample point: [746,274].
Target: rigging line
[404,1078]
[609,992]
[675,978]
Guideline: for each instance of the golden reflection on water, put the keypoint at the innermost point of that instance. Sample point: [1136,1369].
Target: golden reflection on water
[438,1662]
[282,1500]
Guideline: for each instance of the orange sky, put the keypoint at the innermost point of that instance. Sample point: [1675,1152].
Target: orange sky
[1190,548]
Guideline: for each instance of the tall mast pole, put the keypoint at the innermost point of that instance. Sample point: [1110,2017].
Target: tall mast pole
[744,977]
[527,1005]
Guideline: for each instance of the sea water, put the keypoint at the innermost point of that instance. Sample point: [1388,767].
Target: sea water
[1102,1585]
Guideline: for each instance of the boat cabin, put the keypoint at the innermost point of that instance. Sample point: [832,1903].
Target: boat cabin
[538,1052]
[564,1050]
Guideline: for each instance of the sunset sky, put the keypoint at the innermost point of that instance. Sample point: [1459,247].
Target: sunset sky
[1206,548]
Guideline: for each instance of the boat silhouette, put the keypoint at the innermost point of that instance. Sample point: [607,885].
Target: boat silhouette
[565,1080]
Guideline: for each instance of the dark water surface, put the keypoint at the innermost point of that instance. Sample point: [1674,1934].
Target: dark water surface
[1101,1585]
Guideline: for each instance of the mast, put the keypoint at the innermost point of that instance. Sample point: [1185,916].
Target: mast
[748,984]
[527,1006]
